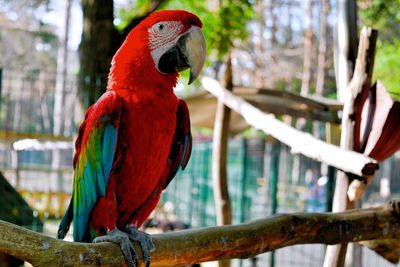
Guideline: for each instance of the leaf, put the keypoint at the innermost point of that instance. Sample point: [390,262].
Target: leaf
[387,67]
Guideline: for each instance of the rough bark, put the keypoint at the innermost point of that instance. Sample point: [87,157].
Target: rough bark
[205,244]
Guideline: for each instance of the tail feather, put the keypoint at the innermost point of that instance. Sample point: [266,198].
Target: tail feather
[65,222]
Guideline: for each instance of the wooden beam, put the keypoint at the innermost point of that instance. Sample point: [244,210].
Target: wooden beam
[300,142]
[11,136]
[220,151]
[220,156]
[311,102]
[213,243]
[345,198]
[267,100]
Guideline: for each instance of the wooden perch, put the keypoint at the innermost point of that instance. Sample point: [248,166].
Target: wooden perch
[300,142]
[205,244]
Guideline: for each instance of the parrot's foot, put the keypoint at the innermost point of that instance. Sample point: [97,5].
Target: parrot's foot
[144,240]
[123,239]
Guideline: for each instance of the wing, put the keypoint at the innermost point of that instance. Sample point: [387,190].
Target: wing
[94,157]
[181,146]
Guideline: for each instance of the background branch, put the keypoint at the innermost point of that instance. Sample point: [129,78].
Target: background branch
[299,141]
[205,244]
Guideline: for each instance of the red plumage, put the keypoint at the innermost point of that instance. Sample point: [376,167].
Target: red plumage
[152,124]
[136,136]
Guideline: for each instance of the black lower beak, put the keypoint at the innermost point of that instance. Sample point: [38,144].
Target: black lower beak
[189,51]
[174,60]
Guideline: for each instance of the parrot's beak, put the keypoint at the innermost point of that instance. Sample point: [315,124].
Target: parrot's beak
[194,50]
[188,52]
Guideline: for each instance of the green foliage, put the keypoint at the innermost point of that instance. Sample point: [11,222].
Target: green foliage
[330,87]
[140,8]
[229,25]
[46,37]
[222,26]
[382,15]
[387,67]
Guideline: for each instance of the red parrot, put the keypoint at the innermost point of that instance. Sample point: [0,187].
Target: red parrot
[137,135]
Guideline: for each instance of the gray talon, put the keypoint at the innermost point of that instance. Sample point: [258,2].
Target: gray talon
[144,240]
[122,239]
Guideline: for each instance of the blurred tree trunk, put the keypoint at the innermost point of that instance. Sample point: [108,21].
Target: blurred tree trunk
[272,43]
[62,71]
[308,37]
[305,83]
[289,29]
[319,88]
[95,50]
[259,47]
[289,44]
[100,40]
[220,152]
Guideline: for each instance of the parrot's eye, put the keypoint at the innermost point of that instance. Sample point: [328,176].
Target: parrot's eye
[161,27]
[165,28]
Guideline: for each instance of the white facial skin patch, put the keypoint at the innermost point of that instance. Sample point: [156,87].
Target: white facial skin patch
[163,36]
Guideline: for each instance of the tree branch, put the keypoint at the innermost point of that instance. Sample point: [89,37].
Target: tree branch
[199,245]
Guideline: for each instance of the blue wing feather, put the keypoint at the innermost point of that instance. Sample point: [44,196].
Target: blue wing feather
[185,147]
[95,178]
[108,148]
[93,162]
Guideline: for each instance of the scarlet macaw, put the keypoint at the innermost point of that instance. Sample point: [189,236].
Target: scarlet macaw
[137,135]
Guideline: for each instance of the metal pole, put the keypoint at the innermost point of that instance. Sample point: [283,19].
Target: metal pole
[243,180]
[274,175]
[1,86]
[330,187]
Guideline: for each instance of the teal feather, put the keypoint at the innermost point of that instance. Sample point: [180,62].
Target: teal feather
[89,185]
[185,147]
[96,144]
[108,147]
[99,152]
[101,183]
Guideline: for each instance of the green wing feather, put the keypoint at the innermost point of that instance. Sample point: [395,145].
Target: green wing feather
[91,174]
[93,161]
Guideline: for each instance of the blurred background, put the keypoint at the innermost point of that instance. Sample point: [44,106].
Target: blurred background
[55,56]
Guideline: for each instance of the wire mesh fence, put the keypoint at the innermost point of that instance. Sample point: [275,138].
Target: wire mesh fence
[27,101]
[301,188]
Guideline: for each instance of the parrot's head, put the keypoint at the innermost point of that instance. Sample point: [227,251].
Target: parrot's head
[162,45]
